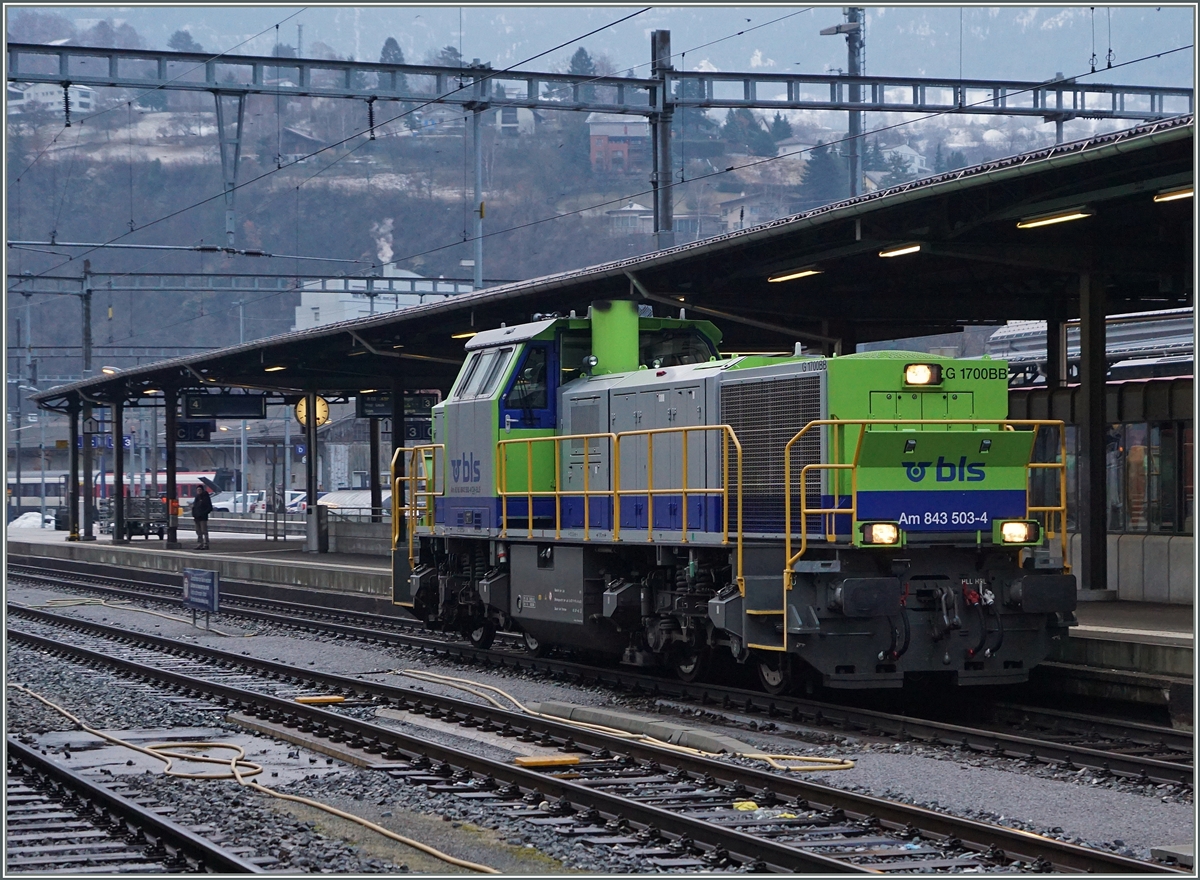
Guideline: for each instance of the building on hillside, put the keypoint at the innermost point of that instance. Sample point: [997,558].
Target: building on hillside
[296,145]
[917,164]
[39,96]
[330,300]
[619,144]
[515,121]
[637,219]
[749,209]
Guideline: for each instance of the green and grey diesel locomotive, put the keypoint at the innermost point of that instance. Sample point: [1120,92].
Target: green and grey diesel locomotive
[614,485]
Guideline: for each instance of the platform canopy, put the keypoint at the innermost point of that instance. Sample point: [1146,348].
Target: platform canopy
[1011,239]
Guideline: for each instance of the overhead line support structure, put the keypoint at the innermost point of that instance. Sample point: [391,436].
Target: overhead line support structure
[318,78]
[230,78]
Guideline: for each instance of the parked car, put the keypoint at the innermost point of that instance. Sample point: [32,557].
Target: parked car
[231,502]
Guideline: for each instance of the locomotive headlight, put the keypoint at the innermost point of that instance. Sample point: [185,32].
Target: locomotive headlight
[1020,532]
[881,533]
[590,361]
[923,374]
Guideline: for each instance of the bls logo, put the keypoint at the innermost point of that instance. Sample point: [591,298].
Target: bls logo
[465,469]
[946,471]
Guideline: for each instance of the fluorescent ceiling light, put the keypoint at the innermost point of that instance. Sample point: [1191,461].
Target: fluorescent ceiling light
[1172,195]
[796,273]
[274,369]
[1057,217]
[464,335]
[369,391]
[901,250]
[109,371]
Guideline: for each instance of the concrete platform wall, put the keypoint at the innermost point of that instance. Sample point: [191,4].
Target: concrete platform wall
[1148,568]
[363,538]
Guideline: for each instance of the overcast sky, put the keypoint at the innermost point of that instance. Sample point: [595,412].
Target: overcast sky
[1023,43]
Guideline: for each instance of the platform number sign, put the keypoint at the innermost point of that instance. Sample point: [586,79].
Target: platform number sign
[201,589]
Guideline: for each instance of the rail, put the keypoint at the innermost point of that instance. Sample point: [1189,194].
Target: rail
[829,514]
[408,492]
[618,491]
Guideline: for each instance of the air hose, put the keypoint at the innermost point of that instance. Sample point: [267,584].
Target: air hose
[797,763]
[241,770]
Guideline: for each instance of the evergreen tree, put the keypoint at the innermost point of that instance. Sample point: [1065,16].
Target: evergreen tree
[872,159]
[393,54]
[897,172]
[956,159]
[939,160]
[781,129]
[742,129]
[583,65]
[153,100]
[283,50]
[826,178]
[181,41]
[449,57]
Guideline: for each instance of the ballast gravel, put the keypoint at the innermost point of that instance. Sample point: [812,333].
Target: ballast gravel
[1077,806]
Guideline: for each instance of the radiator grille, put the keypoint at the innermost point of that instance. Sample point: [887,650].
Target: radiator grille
[765,416]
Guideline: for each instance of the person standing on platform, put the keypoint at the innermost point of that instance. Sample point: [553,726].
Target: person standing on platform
[201,508]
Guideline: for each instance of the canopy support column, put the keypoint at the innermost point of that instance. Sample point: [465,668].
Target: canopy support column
[73,487]
[1093,500]
[374,475]
[171,408]
[118,499]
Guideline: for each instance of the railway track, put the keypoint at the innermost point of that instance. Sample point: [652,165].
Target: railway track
[676,810]
[59,821]
[1130,750]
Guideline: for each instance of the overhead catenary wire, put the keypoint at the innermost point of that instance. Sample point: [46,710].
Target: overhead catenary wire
[159,86]
[619,200]
[241,770]
[626,197]
[489,74]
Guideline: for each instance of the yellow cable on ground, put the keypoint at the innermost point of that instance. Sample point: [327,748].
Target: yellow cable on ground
[795,763]
[240,769]
[70,603]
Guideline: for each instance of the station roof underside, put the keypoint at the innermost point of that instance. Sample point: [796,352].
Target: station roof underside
[975,266]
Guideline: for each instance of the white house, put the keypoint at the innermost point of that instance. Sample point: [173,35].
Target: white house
[916,162]
[47,95]
[330,300]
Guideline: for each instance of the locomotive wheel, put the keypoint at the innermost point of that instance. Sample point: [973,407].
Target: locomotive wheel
[774,672]
[533,646]
[689,663]
[483,635]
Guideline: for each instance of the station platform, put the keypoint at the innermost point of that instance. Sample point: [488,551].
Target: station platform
[1135,651]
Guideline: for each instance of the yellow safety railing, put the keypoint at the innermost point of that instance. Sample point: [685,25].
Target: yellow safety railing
[414,491]
[852,466]
[529,493]
[618,491]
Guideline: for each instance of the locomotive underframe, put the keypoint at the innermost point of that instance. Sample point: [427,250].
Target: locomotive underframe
[851,619]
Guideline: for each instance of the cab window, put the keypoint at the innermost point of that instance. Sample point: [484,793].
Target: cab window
[529,389]
[465,377]
[493,372]
[674,348]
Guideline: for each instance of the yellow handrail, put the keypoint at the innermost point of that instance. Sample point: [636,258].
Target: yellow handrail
[529,493]
[617,492]
[852,510]
[426,455]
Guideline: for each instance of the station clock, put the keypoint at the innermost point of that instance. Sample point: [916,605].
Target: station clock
[322,413]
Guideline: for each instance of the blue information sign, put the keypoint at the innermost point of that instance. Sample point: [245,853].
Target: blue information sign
[201,589]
